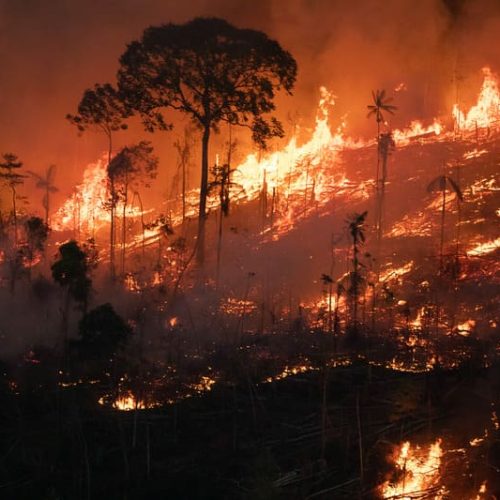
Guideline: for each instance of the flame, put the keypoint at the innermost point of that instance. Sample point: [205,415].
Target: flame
[416,130]
[126,402]
[84,208]
[484,248]
[394,273]
[482,491]
[419,471]
[487,109]
[303,176]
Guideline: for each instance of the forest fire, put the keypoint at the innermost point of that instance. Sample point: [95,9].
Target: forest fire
[286,259]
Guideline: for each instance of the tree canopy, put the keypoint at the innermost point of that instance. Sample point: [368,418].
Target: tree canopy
[214,73]
[210,70]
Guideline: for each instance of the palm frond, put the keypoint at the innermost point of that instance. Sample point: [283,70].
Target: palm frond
[455,188]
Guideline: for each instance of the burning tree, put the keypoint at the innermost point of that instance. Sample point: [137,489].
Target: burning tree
[102,109]
[133,166]
[213,72]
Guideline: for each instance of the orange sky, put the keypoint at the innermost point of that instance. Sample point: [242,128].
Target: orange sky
[50,51]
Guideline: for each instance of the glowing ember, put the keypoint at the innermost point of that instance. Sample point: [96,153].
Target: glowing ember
[417,472]
[466,327]
[237,307]
[127,402]
[291,370]
[204,385]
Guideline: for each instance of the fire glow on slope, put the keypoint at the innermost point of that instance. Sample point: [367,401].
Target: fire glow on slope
[294,180]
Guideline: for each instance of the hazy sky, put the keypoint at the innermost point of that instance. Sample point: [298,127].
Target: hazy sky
[51,50]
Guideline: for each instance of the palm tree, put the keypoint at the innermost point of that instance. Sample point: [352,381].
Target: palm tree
[46,182]
[356,229]
[440,184]
[381,104]
[386,146]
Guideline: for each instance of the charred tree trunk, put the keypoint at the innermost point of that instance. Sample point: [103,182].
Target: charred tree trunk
[200,245]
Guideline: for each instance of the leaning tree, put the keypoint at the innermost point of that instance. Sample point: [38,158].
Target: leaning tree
[212,72]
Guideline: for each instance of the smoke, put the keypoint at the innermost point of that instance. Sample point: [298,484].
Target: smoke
[51,52]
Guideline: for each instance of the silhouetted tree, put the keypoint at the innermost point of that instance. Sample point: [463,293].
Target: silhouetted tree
[211,71]
[381,104]
[132,167]
[9,174]
[102,109]
[37,233]
[356,230]
[222,182]
[440,184]
[71,271]
[184,150]
[386,146]
[102,332]
[46,182]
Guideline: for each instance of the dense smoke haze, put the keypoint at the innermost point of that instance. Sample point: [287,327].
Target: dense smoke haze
[51,51]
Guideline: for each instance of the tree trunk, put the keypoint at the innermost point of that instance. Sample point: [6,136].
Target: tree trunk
[443,211]
[124,222]
[112,216]
[47,204]
[14,213]
[200,250]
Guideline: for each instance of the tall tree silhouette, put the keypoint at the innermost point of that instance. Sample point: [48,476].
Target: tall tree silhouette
[9,174]
[71,272]
[102,109]
[184,148]
[441,184]
[386,146]
[356,227]
[213,72]
[381,104]
[46,182]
